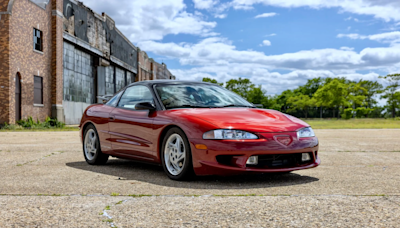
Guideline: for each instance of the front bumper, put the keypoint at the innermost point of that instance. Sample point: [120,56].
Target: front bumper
[234,154]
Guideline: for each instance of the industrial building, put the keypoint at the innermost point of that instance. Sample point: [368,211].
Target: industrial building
[57,56]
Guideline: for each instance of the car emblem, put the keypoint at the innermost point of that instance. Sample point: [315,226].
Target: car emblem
[284,140]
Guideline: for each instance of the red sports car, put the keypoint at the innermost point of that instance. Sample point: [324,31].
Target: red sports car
[195,128]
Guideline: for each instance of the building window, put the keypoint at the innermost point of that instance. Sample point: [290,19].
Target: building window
[110,83]
[37,40]
[38,90]
[119,79]
[129,78]
[78,75]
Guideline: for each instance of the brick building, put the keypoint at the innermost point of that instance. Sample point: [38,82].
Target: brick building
[57,56]
[148,69]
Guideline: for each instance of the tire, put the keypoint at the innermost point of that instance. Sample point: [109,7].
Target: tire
[174,166]
[91,147]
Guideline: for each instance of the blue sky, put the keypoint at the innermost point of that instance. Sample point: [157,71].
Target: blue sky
[277,44]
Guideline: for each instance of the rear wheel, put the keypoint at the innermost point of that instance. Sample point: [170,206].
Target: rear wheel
[91,147]
[176,156]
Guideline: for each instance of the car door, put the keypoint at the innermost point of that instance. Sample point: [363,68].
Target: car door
[99,115]
[132,130]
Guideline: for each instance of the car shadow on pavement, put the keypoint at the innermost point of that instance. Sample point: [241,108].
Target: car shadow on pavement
[131,170]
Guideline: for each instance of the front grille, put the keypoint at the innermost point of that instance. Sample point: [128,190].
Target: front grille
[280,161]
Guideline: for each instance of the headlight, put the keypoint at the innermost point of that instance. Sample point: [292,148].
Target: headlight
[305,132]
[229,134]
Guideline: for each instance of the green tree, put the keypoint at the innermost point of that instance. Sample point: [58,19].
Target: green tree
[210,80]
[372,89]
[271,102]
[281,100]
[390,92]
[240,86]
[257,95]
[301,102]
[332,95]
[357,95]
[311,86]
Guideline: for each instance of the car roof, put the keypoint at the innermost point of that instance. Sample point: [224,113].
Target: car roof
[169,82]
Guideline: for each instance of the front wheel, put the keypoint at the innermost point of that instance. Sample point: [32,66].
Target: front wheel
[176,156]
[91,147]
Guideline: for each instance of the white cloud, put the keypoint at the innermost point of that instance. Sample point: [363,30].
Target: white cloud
[353,36]
[221,16]
[204,4]
[383,9]
[346,48]
[266,43]
[148,22]
[392,38]
[210,50]
[272,34]
[218,58]
[152,20]
[266,15]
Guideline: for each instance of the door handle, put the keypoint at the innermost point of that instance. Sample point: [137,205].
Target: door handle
[111,118]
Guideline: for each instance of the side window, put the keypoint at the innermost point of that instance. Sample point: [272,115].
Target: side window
[113,101]
[134,95]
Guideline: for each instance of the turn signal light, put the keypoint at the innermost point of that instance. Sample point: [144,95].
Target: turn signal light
[201,146]
[305,157]
[253,160]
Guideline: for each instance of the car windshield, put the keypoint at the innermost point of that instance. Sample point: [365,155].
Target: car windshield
[198,96]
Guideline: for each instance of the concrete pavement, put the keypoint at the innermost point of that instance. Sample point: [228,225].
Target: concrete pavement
[45,182]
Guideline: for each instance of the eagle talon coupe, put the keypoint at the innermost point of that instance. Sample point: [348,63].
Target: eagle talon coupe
[195,128]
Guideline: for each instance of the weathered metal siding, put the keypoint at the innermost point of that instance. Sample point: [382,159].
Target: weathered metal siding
[100,32]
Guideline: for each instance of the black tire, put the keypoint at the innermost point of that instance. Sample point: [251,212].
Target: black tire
[187,172]
[97,157]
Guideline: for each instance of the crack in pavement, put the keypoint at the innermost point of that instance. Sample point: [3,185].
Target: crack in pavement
[42,158]
[110,220]
[213,195]
[393,202]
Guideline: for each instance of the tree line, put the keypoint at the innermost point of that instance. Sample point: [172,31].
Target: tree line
[326,97]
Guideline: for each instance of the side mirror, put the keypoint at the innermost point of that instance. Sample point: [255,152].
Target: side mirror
[145,106]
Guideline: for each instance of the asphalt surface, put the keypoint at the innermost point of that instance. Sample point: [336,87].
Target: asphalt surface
[45,182]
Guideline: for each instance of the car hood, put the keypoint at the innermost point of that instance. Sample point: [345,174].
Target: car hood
[248,119]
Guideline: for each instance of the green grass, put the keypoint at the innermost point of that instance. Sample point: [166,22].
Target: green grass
[354,123]
[17,129]
[315,123]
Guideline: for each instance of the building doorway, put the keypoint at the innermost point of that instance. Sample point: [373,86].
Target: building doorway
[17,97]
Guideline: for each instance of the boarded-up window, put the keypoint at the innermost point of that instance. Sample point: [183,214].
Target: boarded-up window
[38,90]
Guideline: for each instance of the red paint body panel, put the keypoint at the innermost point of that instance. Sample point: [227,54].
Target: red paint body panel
[132,134]
[137,135]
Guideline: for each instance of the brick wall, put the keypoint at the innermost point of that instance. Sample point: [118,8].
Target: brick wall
[23,59]
[4,63]
[57,59]
[144,67]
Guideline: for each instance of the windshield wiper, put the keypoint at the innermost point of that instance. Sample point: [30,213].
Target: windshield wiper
[233,105]
[188,106]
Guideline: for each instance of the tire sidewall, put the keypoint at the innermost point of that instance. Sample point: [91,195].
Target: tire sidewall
[188,167]
[98,151]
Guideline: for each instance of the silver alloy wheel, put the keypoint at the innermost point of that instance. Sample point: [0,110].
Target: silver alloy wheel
[90,144]
[174,154]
